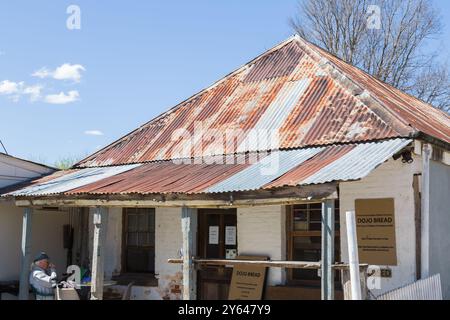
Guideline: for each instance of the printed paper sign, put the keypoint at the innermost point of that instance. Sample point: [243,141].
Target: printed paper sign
[213,235]
[230,235]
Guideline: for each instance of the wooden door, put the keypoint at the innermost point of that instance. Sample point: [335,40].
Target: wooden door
[217,239]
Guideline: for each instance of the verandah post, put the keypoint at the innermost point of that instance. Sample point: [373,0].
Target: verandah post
[328,232]
[189,230]
[355,280]
[26,254]
[98,254]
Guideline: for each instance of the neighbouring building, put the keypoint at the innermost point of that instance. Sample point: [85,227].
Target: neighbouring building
[48,225]
[265,162]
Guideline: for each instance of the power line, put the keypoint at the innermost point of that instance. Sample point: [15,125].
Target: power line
[3,146]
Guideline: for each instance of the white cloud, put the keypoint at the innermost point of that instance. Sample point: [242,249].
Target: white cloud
[42,73]
[69,72]
[33,91]
[62,98]
[93,133]
[15,90]
[66,71]
[10,87]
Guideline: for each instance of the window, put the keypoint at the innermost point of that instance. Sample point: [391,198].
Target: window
[138,241]
[304,228]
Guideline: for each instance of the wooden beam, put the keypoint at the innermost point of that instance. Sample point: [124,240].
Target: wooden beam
[189,231]
[328,232]
[425,214]
[291,195]
[26,253]
[156,204]
[265,263]
[98,255]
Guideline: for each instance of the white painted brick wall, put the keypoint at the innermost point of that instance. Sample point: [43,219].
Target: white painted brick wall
[168,243]
[113,263]
[392,179]
[262,231]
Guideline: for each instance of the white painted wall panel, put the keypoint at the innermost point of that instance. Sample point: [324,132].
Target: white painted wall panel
[47,235]
[440,224]
[392,179]
[262,232]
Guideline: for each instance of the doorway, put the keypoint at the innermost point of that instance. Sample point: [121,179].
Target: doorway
[217,239]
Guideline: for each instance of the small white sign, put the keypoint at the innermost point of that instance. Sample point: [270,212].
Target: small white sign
[230,235]
[230,254]
[213,235]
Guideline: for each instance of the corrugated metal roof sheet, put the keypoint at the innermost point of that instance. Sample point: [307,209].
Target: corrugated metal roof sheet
[404,107]
[277,169]
[73,179]
[296,89]
[271,167]
[357,163]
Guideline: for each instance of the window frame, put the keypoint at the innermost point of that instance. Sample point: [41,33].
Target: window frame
[291,233]
[124,264]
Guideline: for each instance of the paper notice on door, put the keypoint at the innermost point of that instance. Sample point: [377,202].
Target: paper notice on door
[230,235]
[213,235]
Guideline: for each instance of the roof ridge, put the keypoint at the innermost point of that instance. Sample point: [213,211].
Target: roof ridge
[366,93]
[384,83]
[361,92]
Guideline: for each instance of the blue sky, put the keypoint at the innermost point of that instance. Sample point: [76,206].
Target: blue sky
[130,61]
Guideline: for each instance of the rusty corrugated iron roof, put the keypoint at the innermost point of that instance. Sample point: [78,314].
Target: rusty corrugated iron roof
[308,96]
[276,169]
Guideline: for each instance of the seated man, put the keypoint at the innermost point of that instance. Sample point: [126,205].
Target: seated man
[43,277]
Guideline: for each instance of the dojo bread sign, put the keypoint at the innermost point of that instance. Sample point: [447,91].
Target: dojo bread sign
[375,228]
[247,282]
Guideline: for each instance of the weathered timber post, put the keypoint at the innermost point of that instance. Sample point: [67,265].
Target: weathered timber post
[98,254]
[327,271]
[355,282]
[26,254]
[189,230]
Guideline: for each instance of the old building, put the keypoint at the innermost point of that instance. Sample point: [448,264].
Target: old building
[47,224]
[265,162]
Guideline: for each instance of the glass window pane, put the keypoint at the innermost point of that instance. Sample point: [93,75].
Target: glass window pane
[151,220]
[143,222]
[306,249]
[315,226]
[300,220]
[315,216]
[132,222]
[132,239]
[146,238]
[315,206]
